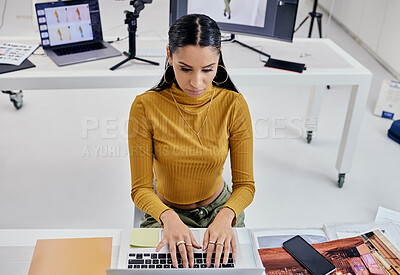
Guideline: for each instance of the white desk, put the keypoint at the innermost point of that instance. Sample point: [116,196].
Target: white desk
[327,64]
[17,245]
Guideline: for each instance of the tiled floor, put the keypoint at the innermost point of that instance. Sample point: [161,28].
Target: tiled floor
[52,176]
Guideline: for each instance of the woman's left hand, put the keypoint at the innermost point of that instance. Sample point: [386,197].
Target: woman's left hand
[220,237]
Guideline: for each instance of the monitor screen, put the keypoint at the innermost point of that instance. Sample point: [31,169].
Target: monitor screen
[268,18]
[68,22]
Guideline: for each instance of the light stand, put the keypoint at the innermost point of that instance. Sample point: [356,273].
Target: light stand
[131,21]
[314,14]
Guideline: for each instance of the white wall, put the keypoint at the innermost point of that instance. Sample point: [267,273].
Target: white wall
[371,22]
[389,44]
[375,23]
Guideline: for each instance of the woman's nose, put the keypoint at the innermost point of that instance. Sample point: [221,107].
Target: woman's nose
[196,81]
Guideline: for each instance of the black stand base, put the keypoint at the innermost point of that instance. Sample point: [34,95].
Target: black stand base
[131,21]
[130,57]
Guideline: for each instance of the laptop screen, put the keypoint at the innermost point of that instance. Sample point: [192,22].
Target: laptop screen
[67,22]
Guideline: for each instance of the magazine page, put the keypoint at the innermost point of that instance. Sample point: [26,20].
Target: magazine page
[350,256]
[346,230]
[386,254]
[269,238]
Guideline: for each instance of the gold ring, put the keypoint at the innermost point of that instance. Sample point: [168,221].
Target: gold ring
[188,244]
[221,244]
[211,242]
[179,243]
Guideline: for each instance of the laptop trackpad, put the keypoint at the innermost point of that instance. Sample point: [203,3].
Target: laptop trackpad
[196,234]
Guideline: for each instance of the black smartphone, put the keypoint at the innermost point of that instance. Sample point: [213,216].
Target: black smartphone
[308,256]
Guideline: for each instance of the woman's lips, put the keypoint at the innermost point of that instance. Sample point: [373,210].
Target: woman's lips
[195,92]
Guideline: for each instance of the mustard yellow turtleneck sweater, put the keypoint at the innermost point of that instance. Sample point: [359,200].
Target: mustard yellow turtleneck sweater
[188,169]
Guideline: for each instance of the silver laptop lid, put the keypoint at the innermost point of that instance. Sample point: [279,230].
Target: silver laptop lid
[68,22]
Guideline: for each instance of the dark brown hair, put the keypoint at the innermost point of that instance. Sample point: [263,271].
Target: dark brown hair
[196,30]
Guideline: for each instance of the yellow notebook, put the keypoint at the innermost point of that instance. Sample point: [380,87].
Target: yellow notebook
[80,256]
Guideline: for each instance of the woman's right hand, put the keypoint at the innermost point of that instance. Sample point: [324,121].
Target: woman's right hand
[177,235]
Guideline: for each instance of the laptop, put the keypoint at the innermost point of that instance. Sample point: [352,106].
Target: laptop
[143,261]
[71,32]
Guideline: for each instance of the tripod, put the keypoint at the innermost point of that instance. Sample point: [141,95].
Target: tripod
[131,21]
[314,14]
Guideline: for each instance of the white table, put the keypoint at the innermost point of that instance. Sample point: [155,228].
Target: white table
[17,245]
[327,64]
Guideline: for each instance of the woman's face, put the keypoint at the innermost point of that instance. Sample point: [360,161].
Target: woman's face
[195,67]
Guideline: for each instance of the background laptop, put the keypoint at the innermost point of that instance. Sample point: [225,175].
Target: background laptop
[247,260]
[71,32]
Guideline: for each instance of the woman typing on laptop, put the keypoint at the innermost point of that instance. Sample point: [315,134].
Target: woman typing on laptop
[183,129]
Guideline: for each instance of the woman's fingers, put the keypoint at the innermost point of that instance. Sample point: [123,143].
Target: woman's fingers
[182,250]
[180,239]
[218,250]
[210,251]
[206,239]
[172,251]
[189,247]
[161,244]
[227,250]
[210,244]
[189,250]
[234,249]
[219,247]
[186,249]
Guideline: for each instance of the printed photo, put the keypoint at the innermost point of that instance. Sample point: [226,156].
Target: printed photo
[349,256]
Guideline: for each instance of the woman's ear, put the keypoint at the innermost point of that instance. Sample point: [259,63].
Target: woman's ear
[169,56]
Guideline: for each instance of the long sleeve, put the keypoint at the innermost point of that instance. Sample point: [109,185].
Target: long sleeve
[188,168]
[141,161]
[241,153]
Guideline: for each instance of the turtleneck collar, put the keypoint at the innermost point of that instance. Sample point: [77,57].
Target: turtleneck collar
[184,99]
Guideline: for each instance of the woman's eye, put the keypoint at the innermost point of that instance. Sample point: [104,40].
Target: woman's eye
[207,70]
[185,69]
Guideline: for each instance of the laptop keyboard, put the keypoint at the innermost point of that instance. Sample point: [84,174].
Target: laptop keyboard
[79,48]
[163,260]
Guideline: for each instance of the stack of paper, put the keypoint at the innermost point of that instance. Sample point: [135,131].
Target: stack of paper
[15,53]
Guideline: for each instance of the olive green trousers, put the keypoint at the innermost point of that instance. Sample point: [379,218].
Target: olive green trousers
[200,217]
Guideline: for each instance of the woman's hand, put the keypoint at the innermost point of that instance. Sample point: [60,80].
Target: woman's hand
[220,236]
[177,234]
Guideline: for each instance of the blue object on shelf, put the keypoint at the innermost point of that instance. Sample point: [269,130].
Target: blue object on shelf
[394,131]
